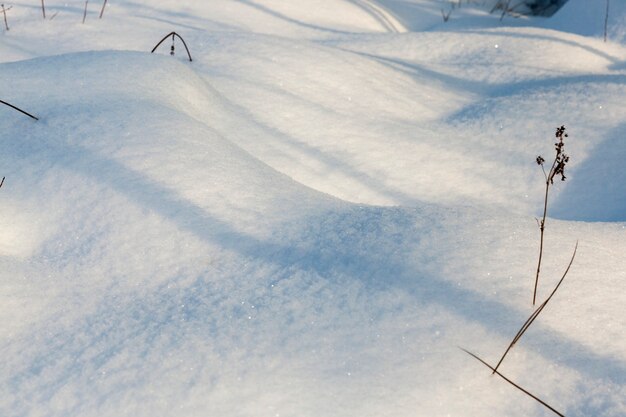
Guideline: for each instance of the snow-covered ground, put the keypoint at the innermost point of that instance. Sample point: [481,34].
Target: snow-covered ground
[310,218]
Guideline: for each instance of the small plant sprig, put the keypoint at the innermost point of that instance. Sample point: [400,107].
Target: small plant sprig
[557,169]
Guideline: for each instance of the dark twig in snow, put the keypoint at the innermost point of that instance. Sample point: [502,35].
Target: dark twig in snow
[4,13]
[102,10]
[445,15]
[18,109]
[173,34]
[536,313]
[85,12]
[557,168]
[606,20]
[542,402]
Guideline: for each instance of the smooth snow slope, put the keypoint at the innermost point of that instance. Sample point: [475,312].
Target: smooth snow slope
[310,217]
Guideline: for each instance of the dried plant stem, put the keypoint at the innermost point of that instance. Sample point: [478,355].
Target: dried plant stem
[536,313]
[557,168]
[18,109]
[606,20]
[173,34]
[4,13]
[43,9]
[104,3]
[2,182]
[85,12]
[446,16]
[542,228]
[542,402]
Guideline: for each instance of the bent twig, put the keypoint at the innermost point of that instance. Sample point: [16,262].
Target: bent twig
[542,402]
[173,34]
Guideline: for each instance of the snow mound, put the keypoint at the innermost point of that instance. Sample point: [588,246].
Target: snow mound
[309,218]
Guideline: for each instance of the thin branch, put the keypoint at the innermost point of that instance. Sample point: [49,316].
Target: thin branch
[85,12]
[2,182]
[446,16]
[18,109]
[43,9]
[172,34]
[606,20]
[557,168]
[4,13]
[542,228]
[542,402]
[102,10]
[536,313]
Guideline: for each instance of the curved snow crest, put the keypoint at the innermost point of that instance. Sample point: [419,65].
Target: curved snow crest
[110,102]
[173,273]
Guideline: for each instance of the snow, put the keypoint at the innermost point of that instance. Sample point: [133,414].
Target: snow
[311,217]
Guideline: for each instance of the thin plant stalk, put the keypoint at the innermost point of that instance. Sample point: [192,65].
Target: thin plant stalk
[43,9]
[446,16]
[2,182]
[542,228]
[104,3]
[18,109]
[536,313]
[539,400]
[4,13]
[85,12]
[557,168]
[606,20]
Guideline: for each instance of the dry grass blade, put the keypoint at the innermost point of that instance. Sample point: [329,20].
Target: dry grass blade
[542,402]
[606,20]
[536,313]
[85,12]
[446,16]
[18,109]
[102,10]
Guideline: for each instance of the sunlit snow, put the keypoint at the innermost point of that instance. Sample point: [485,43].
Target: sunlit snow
[311,217]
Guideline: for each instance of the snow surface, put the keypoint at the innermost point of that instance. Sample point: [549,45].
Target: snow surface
[312,216]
